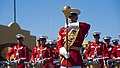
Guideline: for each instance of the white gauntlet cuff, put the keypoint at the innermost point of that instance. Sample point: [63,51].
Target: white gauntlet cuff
[64,52]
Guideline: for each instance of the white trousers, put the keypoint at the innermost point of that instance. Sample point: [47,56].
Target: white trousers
[70,67]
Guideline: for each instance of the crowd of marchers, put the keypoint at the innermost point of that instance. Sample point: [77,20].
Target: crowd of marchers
[104,54]
[46,53]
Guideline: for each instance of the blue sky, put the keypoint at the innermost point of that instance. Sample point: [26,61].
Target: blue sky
[45,16]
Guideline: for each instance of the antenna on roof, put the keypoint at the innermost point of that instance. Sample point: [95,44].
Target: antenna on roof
[14,11]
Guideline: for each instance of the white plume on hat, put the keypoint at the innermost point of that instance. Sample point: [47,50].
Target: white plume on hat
[20,36]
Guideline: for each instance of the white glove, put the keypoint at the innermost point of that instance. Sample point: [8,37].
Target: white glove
[17,61]
[40,61]
[118,57]
[89,58]
[64,52]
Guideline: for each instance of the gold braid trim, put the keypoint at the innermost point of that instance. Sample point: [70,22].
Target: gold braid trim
[72,35]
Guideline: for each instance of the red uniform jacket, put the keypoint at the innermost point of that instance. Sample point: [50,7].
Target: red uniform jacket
[22,51]
[96,50]
[55,53]
[109,50]
[42,53]
[116,51]
[75,58]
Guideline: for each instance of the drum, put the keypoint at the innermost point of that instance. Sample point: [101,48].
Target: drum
[3,64]
[11,65]
[92,64]
[56,62]
[117,64]
[27,65]
[36,65]
[39,65]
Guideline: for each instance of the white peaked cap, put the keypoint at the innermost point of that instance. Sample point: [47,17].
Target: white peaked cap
[75,11]
[96,33]
[106,37]
[41,37]
[115,40]
[20,36]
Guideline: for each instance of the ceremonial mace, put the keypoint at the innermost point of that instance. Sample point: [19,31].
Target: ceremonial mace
[66,11]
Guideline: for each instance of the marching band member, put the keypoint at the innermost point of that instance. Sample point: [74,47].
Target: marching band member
[76,35]
[55,53]
[115,54]
[108,45]
[116,50]
[20,52]
[54,49]
[96,49]
[107,40]
[42,54]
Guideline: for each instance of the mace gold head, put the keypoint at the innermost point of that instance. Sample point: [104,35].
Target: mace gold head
[66,8]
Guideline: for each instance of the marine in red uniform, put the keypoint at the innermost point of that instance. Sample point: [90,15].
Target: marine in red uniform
[55,53]
[116,50]
[108,45]
[107,40]
[76,35]
[20,52]
[115,54]
[42,54]
[96,49]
